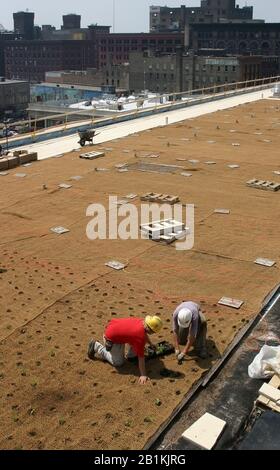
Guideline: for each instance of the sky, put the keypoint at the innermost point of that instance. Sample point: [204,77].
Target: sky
[130,15]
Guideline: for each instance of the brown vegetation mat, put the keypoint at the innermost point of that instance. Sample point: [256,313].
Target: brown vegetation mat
[57,292]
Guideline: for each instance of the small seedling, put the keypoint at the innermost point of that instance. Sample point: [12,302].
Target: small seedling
[158,402]
[62,422]
[148,419]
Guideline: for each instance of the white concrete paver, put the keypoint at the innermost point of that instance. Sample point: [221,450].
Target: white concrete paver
[66,144]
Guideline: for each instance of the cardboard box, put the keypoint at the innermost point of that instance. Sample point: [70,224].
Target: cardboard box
[13,162]
[33,157]
[4,164]
[17,153]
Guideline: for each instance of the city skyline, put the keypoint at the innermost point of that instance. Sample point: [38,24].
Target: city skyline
[126,18]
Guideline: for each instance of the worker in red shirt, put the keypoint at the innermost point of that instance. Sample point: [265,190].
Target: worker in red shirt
[121,331]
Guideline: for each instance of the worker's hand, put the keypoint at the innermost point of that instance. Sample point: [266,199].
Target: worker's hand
[180,357]
[177,352]
[143,379]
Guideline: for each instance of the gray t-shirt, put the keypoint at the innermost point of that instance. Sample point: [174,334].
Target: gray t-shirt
[194,308]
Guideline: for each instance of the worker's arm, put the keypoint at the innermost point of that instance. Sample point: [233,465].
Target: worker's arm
[143,376]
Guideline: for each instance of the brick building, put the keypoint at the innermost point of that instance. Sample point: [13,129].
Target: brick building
[24,24]
[4,36]
[71,21]
[14,96]
[234,33]
[166,73]
[115,48]
[30,60]
[210,11]
[113,75]
[240,38]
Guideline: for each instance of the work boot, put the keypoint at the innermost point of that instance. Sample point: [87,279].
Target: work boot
[91,350]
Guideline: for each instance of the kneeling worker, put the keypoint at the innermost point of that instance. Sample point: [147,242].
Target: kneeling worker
[122,331]
[189,328]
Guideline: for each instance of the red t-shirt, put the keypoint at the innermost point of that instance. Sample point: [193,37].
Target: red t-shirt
[128,331]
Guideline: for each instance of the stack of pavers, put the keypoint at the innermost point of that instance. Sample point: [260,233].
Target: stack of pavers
[265,185]
[19,157]
[160,198]
[167,230]
[92,155]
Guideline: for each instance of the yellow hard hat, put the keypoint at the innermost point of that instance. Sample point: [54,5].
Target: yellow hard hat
[154,323]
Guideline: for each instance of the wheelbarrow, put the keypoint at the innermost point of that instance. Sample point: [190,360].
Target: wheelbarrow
[86,136]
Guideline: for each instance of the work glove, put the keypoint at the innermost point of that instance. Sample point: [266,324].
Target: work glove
[177,352]
[180,357]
